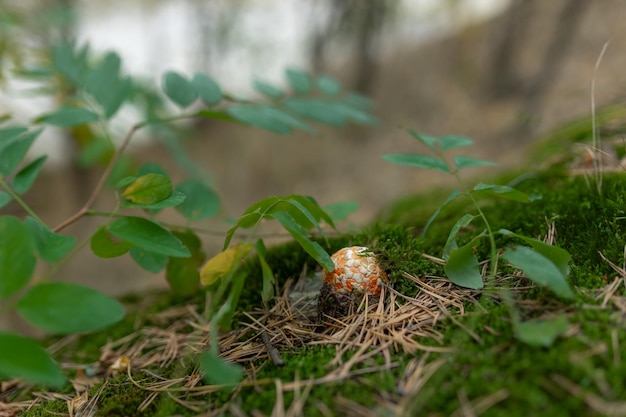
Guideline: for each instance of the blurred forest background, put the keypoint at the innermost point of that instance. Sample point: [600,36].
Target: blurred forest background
[502,72]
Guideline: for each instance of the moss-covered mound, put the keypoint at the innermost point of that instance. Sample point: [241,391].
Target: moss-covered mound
[459,357]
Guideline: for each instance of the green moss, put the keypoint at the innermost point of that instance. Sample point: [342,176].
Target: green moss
[586,222]
[525,372]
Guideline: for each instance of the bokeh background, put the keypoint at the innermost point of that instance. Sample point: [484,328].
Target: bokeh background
[503,72]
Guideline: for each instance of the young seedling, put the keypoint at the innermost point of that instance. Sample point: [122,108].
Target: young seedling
[544,264]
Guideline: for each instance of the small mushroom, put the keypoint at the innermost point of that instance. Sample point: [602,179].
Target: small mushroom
[356,274]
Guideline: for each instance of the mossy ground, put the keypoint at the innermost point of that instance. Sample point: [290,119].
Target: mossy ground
[488,372]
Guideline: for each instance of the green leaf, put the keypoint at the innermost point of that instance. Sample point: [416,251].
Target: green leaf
[65,308]
[69,116]
[25,178]
[268,90]
[469,162]
[148,189]
[150,261]
[21,357]
[104,245]
[453,142]
[268,276]
[224,316]
[539,269]
[217,115]
[341,210]
[182,274]
[428,140]
[98,149]
[148,236]
[70,62]
[106,86]
[13,150]
[17,255]
[304,217]
[462,268]
[454,194]
[201,202]
[152,168]
[328,85]
[451,244]
[558,256]
[317,110]
[207,89]
[503,191]
[50,245]
[299,81]
[179,89]
[301,236]
[5,198]
[219,372]
[541,332]
[266,117]
[417,161]
[221,266]
[8,134]
[350,113]
[174,200]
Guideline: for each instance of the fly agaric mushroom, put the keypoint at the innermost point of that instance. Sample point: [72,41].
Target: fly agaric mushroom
[356,274]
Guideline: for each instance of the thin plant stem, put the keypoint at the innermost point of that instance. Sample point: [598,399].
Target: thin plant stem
[597,162]
[105,175]
[107,172]
[19,201]
[492,241]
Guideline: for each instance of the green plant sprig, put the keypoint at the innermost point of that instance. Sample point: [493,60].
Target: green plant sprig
[544,264]
[99,90]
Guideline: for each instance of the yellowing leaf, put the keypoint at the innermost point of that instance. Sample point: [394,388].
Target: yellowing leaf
[148,189]
[222,263]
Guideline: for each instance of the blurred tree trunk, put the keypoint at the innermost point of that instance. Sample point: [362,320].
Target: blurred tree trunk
[504,80]
[357,26]
[565,30]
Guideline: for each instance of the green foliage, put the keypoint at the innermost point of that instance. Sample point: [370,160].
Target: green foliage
[17,256]
[218,372]
[21,357]
[89,90]
[65,308]
[544,264]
